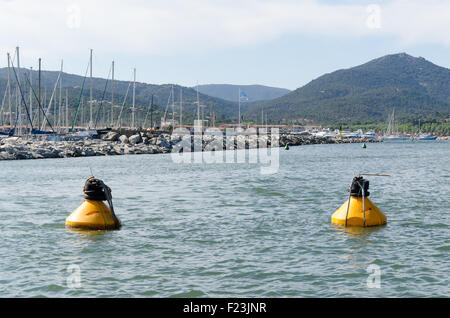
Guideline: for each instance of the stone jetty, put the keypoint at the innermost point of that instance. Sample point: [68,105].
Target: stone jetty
[114,143]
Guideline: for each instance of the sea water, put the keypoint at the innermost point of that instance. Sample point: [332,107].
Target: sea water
[226,230]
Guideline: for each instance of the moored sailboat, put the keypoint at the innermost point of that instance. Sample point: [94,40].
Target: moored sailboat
[422,136]
[392,133]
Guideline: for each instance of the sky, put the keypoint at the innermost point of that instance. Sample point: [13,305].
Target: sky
[280,43]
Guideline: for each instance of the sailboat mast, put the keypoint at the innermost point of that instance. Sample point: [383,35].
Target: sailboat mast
[31,93]
[82,121]
[173,107]
[9,92]
[262,116]
[394,129]
[213,116]
[67,109]
[45,102]
[60,98]
[90,93]
[134,99]
[112,94]
[181,106]
[239,102]
[19,106]
[210,115]
[198,105]
[17,113]
[151,114]
[39,94]
[203,114]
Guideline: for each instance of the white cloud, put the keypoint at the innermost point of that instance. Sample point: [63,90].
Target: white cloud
[169,27]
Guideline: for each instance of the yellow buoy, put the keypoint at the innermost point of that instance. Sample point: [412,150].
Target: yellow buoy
[358,210]
[93,214]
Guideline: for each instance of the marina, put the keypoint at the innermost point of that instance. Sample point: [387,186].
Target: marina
[56,120]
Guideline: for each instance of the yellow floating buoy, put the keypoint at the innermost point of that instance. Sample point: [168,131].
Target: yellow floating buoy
[93,214]
[358,210]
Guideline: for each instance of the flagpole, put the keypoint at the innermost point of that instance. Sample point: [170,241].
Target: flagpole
[239,102]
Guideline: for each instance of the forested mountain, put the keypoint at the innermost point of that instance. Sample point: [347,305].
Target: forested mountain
[366,93]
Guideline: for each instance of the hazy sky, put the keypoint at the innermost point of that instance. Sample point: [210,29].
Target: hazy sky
[282,43]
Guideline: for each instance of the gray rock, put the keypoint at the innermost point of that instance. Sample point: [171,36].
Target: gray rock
[123,139]
[162,142]
[128,151]
[88,152]
[111,136]
[135,139]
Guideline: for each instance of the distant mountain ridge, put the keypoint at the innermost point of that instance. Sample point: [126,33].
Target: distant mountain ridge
[368,93]
[230,92]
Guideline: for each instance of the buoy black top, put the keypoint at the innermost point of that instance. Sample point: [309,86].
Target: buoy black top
[94,189]
[359,184]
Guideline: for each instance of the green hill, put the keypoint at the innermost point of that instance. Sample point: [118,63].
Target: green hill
[253,92]
[366,93]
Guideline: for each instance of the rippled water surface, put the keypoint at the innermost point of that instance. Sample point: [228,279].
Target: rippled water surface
[225,230]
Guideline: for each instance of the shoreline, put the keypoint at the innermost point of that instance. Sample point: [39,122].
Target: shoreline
[114,144]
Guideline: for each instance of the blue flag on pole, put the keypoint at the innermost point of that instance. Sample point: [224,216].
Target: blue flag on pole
[243,96]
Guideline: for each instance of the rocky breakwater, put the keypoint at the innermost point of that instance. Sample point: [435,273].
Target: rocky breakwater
[17,148]
[114,143]
[211,143]
[307,139]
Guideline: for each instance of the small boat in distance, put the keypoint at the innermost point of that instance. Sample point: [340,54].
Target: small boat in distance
[392,133]
[395,138]
[352,134]
[371,135]
[423,137]
[324,133]
[9,132]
